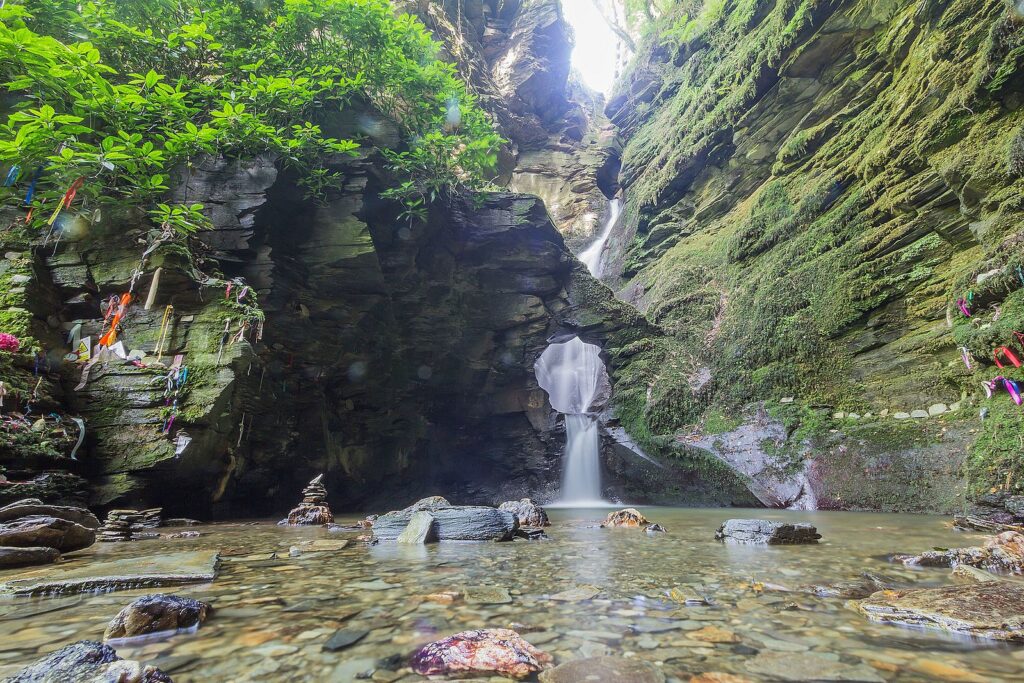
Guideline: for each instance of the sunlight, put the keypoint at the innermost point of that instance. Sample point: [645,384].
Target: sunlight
[594,54]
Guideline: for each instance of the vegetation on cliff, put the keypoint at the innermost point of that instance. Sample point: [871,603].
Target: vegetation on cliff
[122,94]
[811,185]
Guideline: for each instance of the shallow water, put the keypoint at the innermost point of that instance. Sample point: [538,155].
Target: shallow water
[272,617]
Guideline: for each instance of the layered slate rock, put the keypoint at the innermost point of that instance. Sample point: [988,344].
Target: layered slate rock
[24,557]
[451,522]
[313,509]
[1001,553]
[167,569]
[527,512]
[47,532]
[419,530]
[604,670]
[88,662]
[499,651]
[992,610]
[159,613]
[34,507]
[766,532]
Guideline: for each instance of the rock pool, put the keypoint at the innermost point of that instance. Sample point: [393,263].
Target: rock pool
[584,592]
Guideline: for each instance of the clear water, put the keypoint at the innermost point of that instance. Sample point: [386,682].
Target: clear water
[272,617]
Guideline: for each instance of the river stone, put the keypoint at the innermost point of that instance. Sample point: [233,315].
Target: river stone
[24,557]
[87,662]
[577,594]
[603,670]
[166,569]
[343,638]
[993,610]
[901,416]
[29,507]
[527,512]
[46,531]
[452,523]
[937,409]
[763,531]
[867,584]
[419,530]
[497,651]
[156,614]
[486,595]
[919,414]
[809,666]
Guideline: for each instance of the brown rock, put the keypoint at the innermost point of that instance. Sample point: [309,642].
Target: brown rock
[487,651]
[629,517]
[527,512]
[44,531]
[34,507]
[718,677]
[24,557]
[1001,553]
[713,634]
[155,614]
[87,662]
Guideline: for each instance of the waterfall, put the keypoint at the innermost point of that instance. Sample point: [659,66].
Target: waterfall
[572,374]
[592,256]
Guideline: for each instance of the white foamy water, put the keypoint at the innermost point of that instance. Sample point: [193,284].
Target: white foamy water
[593,255]
[571,374]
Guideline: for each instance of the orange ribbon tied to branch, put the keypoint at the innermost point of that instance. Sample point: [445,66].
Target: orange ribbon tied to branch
[111,336]
[65,201]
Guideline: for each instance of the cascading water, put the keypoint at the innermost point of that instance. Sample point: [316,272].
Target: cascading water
[572,374]
[593,255]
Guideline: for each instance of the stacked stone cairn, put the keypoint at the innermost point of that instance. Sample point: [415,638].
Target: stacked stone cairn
[128,525]
[313,510]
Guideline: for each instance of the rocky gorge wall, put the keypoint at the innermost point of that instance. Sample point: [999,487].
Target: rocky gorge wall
[810,186]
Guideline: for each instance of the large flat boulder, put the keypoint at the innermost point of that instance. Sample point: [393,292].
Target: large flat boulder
[993,610]
[168,569]
[451,522]
[765,532]
[87,662]
[47,532]
[527,512]
[30,507]
[26,557]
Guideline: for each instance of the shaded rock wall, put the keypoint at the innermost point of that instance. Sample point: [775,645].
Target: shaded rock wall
[810,186]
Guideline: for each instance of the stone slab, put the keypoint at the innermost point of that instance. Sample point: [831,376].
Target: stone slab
[168,569]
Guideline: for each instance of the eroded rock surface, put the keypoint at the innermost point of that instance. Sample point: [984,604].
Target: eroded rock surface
[35,507]
[500,652]
[993,610]
[628,517]
[766,532]
[1002,553]
[24,557]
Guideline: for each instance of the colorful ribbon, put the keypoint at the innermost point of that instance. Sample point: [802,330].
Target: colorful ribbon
[1008,355]
[12,175]
[962,305]
[966,355]
[32,186]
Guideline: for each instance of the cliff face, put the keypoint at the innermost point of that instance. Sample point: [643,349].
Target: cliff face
[810,185]
[516,58]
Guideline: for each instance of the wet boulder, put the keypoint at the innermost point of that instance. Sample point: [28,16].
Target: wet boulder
[32,507]
[157,614]
[1001,553]
[527,512]
[25,557]
[45,531]
[483,652]
[312,510]
[992,610]
[87,662]
[867,584]
[604,670]
[451,522]
[766,532]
